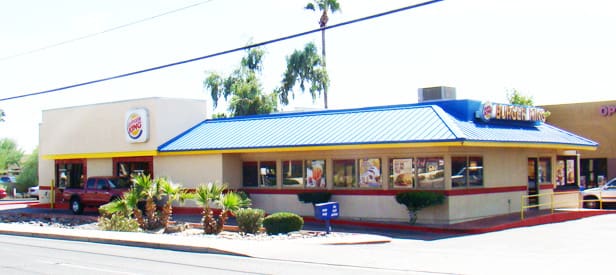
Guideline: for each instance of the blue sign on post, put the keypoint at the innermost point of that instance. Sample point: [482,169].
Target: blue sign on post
[326,211]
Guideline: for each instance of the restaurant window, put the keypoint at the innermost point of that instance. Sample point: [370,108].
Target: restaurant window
[401,173]
[370,172]
[466,172]
[267,173]
[430,173]
[545,170]
[250,174]
[566,178]
[344,173]
[315,174]
[129,168]
[70,173]
[293,173]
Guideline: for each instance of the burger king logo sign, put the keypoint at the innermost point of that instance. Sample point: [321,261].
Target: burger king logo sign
[136,125]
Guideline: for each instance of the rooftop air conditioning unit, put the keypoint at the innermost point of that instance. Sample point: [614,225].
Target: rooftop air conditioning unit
[436,93]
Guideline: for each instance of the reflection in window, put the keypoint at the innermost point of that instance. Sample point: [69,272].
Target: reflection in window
[401,173]
[344,173]
[545,170]
[430,173]
[249,174]
[130,170]
[466,171]
[267,173]
[293,173]
[70,174]
[370,172]
[315,174]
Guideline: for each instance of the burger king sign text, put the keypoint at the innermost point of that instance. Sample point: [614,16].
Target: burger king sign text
[136,125]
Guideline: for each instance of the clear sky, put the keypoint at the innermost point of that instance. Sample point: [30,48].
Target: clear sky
[556,51]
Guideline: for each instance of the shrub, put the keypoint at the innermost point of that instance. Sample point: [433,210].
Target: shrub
[314,197]
[282,223]
[414,201]
[249,220]
[118,222]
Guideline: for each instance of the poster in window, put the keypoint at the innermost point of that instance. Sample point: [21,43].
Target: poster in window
[570,171]
[402,171]
[560,173]
[370,173]
[315,174]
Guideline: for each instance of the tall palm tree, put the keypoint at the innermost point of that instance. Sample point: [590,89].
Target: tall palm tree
[323,6]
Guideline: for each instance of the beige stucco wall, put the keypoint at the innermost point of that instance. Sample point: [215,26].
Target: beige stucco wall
[190,170]
[100,167]
[99,128]
[96,132]
[585,119]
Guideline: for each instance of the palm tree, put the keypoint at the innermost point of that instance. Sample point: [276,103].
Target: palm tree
[169,193]
[324,6]
[206,196]
[303,66]
[214,195]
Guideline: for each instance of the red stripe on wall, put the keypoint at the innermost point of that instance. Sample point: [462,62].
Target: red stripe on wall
[546,186]
[372,192]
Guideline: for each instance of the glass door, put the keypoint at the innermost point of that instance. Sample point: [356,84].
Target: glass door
[533,185]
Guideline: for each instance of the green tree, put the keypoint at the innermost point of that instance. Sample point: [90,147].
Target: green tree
[517,98]
[9,154]
[29,172]
[303,66]
[243,86]
[323,6]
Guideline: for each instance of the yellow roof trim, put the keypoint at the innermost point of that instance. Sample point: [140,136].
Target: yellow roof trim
[320,148]
[528,145]
[101,155]
[314,148]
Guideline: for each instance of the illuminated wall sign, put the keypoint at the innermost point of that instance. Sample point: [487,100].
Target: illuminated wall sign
[498,111]
[607,110]
[136,125]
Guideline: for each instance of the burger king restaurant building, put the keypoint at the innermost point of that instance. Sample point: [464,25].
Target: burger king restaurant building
[484,157]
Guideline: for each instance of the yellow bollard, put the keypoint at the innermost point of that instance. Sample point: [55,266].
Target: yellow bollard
[52,197]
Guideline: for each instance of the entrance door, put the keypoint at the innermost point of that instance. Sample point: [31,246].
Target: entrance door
[533,185]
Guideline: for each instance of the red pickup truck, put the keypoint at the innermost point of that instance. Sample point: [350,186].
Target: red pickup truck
[96,192]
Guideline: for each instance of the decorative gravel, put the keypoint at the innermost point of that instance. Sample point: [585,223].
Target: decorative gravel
[88,223]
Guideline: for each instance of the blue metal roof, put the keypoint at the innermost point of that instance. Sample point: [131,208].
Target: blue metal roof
[413,123]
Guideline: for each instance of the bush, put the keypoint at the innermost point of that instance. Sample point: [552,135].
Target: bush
[416,200]
[314,197]
[118,222]
[249,220]
[282,223]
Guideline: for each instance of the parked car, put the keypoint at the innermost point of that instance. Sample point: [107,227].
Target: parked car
[2,193]
[96,192]
[33,192]
[8,179]
[606,193]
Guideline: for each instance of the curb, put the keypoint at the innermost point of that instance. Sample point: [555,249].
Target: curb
[118,241]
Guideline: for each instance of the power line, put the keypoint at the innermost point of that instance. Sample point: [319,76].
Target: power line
[102,32]
[225,52]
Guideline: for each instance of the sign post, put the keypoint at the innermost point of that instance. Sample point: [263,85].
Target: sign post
[327,211]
